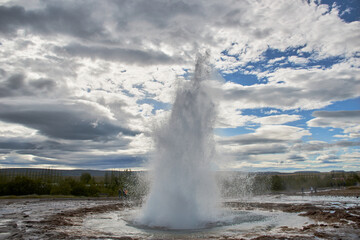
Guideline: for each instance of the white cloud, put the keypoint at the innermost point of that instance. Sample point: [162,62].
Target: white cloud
[10,130]
[277,119]
[346,120]
[298,60]
[335,119]
[265,140]
[272,61]
[299,88]
[229,116]
[326,158]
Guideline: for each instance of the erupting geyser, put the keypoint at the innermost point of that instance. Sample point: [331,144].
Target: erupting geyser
[183,193]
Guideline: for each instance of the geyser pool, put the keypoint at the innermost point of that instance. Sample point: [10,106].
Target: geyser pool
[183,193]
[232,224]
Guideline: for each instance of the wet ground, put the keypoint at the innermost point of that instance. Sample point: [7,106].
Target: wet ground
[321,216]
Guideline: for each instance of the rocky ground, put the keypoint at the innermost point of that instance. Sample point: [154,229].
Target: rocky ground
[331,222]
[349,192]
[62,218]
[47,218]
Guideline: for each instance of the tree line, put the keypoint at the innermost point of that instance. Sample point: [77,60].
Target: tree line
[50,182]
[300,181]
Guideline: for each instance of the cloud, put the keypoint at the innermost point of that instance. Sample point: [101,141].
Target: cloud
[298,60]
[130,56]
[267,139]
[328,158]
[277,119]
[160,14]
[16,145]
[86,80]
[298,88]
[296,158]
[84,161]
[336,119]
[36,150]
[64,120]
[291,25]
[262,96]
[182,27]
[229,116]
[110,162]
[346,120]
[318,146]
[73,21]
[260,149]
[18,85]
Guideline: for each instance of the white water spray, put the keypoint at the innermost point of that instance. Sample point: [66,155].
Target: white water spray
[184,194]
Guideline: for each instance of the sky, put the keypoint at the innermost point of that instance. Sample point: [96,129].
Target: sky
[83,84]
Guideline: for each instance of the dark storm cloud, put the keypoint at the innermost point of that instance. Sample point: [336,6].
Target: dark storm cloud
[130,56]
[75,21]
[70,120]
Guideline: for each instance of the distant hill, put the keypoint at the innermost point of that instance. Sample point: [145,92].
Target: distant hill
[101,173]
[307,172]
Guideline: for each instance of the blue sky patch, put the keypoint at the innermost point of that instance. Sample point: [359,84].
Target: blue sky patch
[349,10]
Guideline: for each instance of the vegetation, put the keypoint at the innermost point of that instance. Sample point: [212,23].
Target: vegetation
[305,181]
[46,182]
[237,184]
[49,182]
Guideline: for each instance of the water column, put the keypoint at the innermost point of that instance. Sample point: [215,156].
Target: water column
[183,192]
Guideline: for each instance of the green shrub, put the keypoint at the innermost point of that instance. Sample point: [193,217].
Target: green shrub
[20,185]
[277,183]
[85,178]
[63,187]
